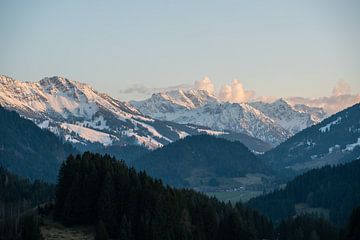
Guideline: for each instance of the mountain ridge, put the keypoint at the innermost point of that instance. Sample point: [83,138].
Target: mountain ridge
[334,140]
[258,119]
[84,117]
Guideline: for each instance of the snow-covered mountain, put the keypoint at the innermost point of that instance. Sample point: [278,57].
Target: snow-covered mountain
[270,122]
[292,118]
[162,105]
[82,115]
[87,118]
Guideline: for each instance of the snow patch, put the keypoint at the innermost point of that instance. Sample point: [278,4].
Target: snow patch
[212,132]
[89,134]
[97,123]
[327,127]
[350,147]
[44,124]
[334,148]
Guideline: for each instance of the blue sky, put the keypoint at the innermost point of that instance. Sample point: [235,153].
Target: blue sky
[277,48]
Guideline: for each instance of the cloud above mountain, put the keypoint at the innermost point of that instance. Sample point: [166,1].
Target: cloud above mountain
[205,84]
[341,88]
[235,92]
[340,98]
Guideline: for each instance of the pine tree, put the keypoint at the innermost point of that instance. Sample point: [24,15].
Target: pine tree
[125,232]
[101,233]
[314,235]
[107,206]
[29,228]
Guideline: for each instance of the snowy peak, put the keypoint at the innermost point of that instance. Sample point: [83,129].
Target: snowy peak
[290,118]
[59,85]
[317,114]
[86,118]
[271,122]
[189,99]
[159,104]
[80,115]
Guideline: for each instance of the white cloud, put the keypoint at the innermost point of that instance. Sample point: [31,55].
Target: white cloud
[235,92]
[205,84]
[340,99]
[341,88]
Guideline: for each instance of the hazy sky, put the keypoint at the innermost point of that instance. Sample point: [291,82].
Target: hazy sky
[278,48]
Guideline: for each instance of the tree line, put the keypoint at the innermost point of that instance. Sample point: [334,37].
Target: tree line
[335,188]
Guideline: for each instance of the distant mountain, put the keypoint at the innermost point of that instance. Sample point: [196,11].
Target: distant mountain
[29,151]
[334,140]
[292,118]
[270,122]
[330,191]
[200,160]
[159,105]
[92,120]
[331,104]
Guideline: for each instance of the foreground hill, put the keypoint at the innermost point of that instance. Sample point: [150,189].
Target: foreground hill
[29,151]
[334,140]
[201,160]
[123,204]
[15,189]
[19,197]
[129,205]
[332,191]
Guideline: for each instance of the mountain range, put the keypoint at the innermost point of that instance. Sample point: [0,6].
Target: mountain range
[270,122]
[94,121]
[87,118]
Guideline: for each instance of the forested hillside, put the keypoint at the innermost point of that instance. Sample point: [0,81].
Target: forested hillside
[199,159]
[331,190]
[18,198]
[29,151]
[334,140]
[98,190]
[15,189]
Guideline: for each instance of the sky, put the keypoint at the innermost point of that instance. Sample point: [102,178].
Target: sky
[130,48]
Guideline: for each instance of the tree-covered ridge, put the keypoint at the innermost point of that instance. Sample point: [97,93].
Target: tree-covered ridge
[27,150]
[94,189]
[332,141]
[18,196]
[306,227]
[202,156]
[15,189]
[334,188]
[352,231]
